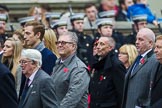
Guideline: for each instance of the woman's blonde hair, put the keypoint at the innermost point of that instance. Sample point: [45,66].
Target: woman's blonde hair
[13,61]
[131,51]
[50,40]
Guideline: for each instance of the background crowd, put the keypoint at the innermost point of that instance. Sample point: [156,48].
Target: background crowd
[50,62]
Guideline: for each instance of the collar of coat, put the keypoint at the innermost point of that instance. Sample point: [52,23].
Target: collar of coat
[106,62]
[66,61]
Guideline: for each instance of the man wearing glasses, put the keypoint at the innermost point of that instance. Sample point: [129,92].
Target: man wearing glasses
[38,91]
[70,75]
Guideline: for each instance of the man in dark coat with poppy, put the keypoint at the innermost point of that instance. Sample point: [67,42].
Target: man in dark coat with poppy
[107,77]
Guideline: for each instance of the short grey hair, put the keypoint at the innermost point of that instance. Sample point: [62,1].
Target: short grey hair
[73,36]
[111,42]
[148,33]
[32,54]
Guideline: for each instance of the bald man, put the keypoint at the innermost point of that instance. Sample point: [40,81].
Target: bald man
[137,80]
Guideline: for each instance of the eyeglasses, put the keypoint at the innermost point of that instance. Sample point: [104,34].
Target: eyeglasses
[63,42]
[24,61]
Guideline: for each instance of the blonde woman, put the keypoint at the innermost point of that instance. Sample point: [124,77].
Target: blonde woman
[49,41]
[127,54]
[11,54]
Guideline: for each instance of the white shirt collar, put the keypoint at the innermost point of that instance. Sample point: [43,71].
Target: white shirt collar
[61,61]
[31,78]
[144,54]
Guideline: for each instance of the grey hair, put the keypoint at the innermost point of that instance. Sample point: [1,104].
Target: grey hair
[149,34]
[32,54]
[73,37]
[111,42]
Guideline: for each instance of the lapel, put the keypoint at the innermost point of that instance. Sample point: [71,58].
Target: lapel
[145,58]
[158,75]
[33,84]
[126,80]
[58,67]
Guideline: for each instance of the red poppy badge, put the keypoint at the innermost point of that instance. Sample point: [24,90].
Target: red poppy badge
[142,61]
[101,77]
[66,70]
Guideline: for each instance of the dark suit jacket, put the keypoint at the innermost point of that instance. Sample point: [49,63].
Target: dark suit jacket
[48,62]
[40,93]
[136,86]
[156,94]
[8,96]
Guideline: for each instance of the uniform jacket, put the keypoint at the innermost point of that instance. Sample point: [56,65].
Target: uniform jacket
[40,93]
[136,86]
[84,50]
[8,97]
[107,82]
[71,81]
[130,39]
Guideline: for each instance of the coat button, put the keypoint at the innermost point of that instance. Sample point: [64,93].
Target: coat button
[87,44]
[97,105]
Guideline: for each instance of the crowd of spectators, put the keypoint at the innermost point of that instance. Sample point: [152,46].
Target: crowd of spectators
[44,64]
